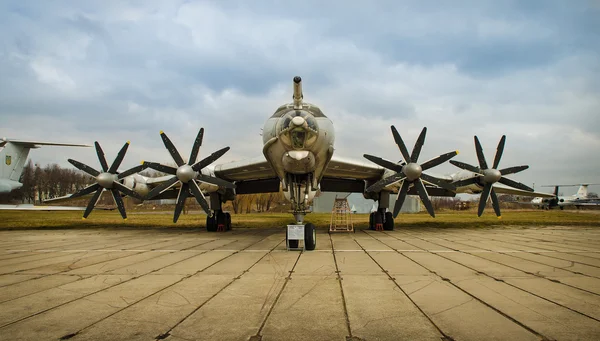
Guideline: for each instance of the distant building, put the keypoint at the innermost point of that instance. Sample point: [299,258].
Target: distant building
[324,203]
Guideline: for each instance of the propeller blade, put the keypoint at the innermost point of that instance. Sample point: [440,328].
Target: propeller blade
[119,202]
[499,151]
[418,145]
[215,181]
[91,171]
[172,150]
[438,182]
[85,191]
[131,171]
[400,144]
[401,197]
[384,163]
[513,170]
[161,188]
[118,159]
[483,200]
[183,194]
[381,184]
[465,182]
[495,203]
[101,157]
[515,184]
[209,159]
[196,147]
[126,190]
[466,166]
[480,157]
[199,196]
[424,196]
[161,168]
[438,160]
[92,203]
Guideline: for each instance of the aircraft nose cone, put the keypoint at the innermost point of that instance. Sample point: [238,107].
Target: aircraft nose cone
[298,121]
[412,171]
[106,179]
[491,175]
[185,173]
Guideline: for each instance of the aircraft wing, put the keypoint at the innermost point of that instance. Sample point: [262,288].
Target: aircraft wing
[577,203]
[344,168]
[348,175]
[29,207]
[250,175]
[34,144]
[500,188]
[257,176]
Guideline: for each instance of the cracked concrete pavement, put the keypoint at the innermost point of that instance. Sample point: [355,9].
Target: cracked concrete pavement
[539,283]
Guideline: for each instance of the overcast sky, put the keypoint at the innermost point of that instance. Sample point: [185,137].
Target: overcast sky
[112,71]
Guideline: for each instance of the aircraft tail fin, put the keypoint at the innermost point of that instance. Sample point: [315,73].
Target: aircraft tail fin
[12,160]
[13,154]
[582,192]
[556,191]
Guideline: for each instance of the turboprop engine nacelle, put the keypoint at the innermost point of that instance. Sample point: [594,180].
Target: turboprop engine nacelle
[137,183]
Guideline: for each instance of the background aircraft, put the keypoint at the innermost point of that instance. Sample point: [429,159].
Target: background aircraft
[298,158]
[579,199]
[13,154]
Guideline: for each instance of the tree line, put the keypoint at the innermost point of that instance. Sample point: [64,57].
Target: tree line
[40,183]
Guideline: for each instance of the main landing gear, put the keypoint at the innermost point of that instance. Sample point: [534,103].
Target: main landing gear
[381,220]
[218,222]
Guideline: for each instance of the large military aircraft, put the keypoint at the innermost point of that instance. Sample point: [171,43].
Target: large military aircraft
[298,158]
[579,199]
[13,154]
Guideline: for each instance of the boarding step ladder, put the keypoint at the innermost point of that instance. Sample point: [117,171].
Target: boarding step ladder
[341,216]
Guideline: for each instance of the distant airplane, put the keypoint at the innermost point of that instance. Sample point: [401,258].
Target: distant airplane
[13,154]
[580,199]
[298,157]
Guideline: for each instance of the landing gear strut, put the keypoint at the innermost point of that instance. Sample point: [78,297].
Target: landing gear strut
[219,221]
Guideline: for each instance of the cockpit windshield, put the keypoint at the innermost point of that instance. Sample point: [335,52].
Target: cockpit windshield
[298,129]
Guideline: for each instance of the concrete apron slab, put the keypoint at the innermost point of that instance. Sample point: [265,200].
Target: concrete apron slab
[310,308]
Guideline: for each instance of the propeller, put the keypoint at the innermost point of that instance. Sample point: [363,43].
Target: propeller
[489,176]
[107,179]
[411,172]
[187,174]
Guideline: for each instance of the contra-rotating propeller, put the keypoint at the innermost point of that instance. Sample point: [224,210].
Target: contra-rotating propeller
[107,179]
[489,176]
[411,172]
[187,174]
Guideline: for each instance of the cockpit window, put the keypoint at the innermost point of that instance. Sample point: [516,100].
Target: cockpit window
[298,136]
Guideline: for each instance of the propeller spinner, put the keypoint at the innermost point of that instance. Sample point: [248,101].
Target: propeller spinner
[187,174]
[411,172]
[489,176]
[107,179]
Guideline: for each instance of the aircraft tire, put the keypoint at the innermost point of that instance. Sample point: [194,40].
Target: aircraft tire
[310,237]
[371,224]
[228,221]
[211,223]
[389,222]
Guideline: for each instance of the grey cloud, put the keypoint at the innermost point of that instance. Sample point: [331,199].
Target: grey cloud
[113,71]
